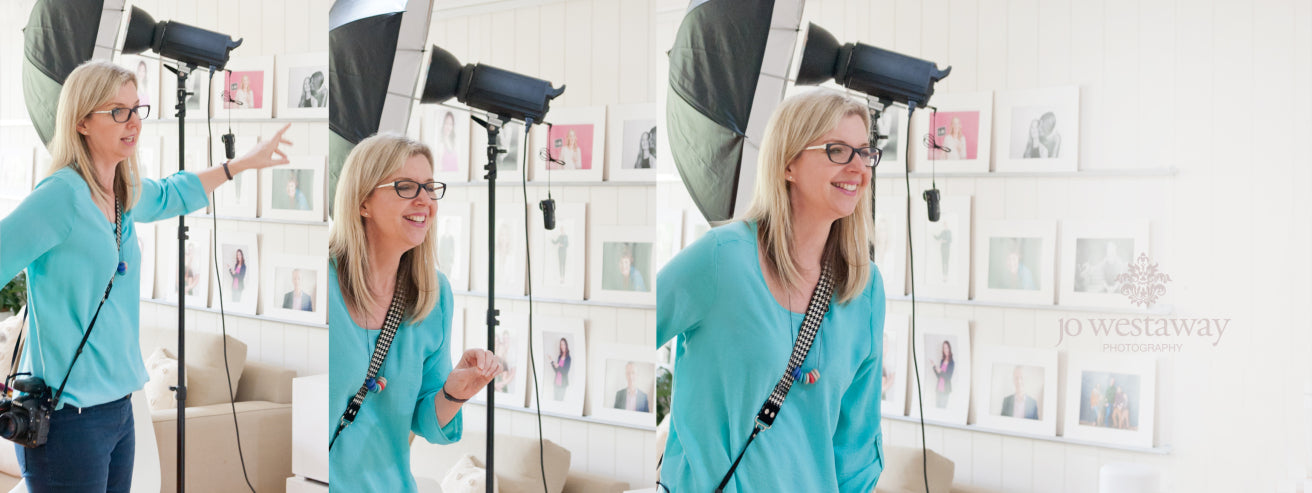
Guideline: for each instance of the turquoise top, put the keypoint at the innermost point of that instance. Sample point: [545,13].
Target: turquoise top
[67,246]
[373,453]
[733,343]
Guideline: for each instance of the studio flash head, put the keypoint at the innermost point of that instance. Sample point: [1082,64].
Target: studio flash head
[885,75]
[497,91]
[177,41]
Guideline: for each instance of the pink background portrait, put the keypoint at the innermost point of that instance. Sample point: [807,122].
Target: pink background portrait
[969,126]
[556,139]
[257,88]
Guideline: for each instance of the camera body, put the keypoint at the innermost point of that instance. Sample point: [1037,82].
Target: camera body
[25,419]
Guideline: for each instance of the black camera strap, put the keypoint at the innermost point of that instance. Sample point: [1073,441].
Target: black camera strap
[384,344]
[815,313]
[118,243]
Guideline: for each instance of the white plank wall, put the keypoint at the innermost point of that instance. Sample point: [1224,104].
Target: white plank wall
[603,52]
[268,28]
[1216,89]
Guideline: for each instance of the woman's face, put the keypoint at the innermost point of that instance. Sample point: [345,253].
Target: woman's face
[571,139]
[947,350]
[823,190]
[956,126]
[564,346]
[449,125]
[626,264]
[241,257]
[394,221]
[108,140]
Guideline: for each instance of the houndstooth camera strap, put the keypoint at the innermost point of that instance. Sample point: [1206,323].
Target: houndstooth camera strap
[384,344]
[815,313]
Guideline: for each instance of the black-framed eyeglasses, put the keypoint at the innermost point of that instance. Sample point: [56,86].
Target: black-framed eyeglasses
[122,115]
[840,153]
[409,189]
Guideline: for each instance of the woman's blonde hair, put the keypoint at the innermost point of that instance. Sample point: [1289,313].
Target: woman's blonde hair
[798,121]
[370,164]
[90,85]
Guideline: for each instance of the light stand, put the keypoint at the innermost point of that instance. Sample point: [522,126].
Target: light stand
[493,126]
[182,71]
[876,109]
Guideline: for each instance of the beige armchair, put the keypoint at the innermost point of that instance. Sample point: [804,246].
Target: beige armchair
[264,414]
[262,398]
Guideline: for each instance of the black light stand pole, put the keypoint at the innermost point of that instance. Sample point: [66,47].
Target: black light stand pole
[875,139]
[493,127]
[181,389]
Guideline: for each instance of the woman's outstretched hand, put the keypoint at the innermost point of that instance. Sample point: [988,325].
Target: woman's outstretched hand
[475,369]
[267,153]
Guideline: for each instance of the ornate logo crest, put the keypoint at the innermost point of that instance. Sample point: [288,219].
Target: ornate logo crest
[1143,283]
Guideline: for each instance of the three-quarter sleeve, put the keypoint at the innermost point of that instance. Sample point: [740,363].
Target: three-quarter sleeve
[39,223]
[437,366]
[172,196]
[859,439]
[686,287]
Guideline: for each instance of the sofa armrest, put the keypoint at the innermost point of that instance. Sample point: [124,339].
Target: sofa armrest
[212,461]
[264,382]
[582,482]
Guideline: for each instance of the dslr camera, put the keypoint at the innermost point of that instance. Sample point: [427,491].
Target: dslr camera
[25,419]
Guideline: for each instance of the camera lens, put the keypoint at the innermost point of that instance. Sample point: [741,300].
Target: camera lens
[10,427]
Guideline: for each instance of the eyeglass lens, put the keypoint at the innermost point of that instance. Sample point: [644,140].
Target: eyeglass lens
[408,189]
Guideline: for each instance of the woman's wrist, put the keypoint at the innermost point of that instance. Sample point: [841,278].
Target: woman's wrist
[447,395]
[237,165]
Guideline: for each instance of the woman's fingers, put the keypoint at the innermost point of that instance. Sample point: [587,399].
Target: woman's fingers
[482,360]
[277,136]
[496,368]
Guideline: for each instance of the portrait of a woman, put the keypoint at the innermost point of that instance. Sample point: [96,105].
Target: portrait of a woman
[75,233]
[383,269]
[560,365]
[746,286]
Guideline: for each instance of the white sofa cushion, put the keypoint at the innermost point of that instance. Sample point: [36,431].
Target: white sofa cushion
[469,475]
[162,367]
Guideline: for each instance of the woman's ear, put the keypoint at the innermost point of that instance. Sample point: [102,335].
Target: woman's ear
[82,127]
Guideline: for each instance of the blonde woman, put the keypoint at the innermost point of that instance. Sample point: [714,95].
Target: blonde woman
[733,302]
[382,243]
[64,235]
[571,154]
[955,140]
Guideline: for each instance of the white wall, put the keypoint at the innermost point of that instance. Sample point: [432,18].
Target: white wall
[1216,89]
[602,51]
[268,28]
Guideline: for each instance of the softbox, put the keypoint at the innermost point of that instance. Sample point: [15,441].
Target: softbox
[59,36]
[728,72]
[375,55]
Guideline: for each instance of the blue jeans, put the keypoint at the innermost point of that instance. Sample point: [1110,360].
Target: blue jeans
[88,449]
